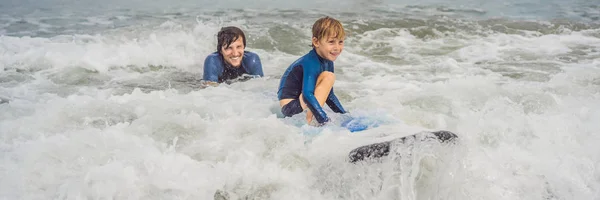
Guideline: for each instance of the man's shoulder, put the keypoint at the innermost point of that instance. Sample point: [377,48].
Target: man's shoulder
[213,56]
[250,55]
[213,60]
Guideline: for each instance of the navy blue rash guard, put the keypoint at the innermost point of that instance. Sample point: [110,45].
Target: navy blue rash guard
[301,78]
[217,70]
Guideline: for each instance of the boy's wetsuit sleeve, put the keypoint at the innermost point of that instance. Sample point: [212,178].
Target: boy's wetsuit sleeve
[311,73]
[213,67]
[253,64]
[333,102]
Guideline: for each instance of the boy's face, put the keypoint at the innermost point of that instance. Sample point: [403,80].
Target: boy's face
[328,47]
[234,53]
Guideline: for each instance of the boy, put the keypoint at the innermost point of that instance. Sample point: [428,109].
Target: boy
[308,82]
[230,61]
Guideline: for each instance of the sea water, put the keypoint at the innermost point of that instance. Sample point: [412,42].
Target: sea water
[103,100]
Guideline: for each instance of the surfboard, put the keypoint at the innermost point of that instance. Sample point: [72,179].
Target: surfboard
[356,124]
[382,149]
[351,123]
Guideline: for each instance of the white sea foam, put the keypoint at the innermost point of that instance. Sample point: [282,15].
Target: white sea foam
[119,114]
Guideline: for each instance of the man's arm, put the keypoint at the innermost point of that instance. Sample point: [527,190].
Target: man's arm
[253,64]
[213,67]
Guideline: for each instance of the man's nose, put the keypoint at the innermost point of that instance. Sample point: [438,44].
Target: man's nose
[238,52]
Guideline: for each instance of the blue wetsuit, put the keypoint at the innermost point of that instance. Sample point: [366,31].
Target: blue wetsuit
[217,70]
[301,78]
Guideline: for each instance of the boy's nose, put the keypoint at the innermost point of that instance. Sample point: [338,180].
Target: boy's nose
[337,47]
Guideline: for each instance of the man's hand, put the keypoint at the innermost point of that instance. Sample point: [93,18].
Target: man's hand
[209,83]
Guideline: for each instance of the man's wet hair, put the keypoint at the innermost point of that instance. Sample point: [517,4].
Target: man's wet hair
[228,35]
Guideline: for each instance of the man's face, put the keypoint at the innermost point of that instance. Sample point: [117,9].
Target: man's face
[234,53]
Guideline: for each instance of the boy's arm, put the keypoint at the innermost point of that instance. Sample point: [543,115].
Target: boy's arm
[309,82]
[333,102]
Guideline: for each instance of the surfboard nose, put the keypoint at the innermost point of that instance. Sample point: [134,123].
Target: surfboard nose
[445,136]
[382,149]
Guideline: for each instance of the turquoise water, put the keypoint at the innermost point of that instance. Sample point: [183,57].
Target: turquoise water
[102,100]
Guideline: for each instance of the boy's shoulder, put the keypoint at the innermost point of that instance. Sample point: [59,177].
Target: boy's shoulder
[307,60]
[311,58]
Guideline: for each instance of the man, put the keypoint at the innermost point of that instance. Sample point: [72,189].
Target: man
[230,61]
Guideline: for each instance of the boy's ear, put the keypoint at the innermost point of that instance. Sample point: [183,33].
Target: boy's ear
[315,42]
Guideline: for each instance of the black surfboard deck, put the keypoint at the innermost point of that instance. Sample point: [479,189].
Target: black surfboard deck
[382,149]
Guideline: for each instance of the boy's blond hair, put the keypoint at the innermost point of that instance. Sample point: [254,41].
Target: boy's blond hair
[327,26]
